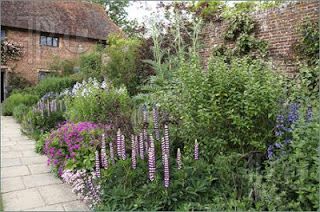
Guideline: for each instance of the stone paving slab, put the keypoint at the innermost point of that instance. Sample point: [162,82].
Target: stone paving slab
[14,171]
[22,200]
[40,180]
[39,168]
[12,184]
[26,183]
[7,162]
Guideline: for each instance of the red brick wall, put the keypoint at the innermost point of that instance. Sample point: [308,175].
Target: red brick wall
[277,26]
[36,57]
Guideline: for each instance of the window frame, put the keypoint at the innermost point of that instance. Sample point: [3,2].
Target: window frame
[49,40]
[3,32]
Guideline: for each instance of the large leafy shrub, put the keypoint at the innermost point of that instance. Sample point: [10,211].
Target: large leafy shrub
[15,100]
[91,102]
[230,108]
[72,146]
[91,63]
[121,68]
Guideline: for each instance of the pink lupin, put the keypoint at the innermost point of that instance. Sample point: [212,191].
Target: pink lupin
[196,150]
[97,164]
[178,159]
[163,149]
[166,171]
[104,161]
[119,142]
[141,146]
[145,138]
[151,160]
[133,152]
[166,139]
[123,148]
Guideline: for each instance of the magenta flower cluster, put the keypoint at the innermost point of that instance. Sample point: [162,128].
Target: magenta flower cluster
[66,143]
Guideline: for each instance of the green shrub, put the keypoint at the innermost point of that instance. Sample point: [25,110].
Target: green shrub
[125,188]
[230,108]
[17,82]
[15,100]
[39,148]
[51,84]
[291,179]
[90,64]
[34,124]
[90,103]
[121,68]
[19,111]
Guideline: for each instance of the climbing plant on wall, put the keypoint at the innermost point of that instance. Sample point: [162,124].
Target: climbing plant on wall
[240,31]
[10,51]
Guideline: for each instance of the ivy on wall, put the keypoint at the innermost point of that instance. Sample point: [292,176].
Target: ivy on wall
[241,31]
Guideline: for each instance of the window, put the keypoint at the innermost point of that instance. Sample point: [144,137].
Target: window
[48,40]
[3,34]
[42,74]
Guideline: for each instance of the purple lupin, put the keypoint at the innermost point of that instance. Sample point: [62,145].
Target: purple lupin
[151,159]
[141,146]
[156,122]
[163,149]
[123,148]
[119,143]
[111,152]
[104,161]
[166,171]
[196,150]
[133,152]
[97,164]
[166,139]
[179,159]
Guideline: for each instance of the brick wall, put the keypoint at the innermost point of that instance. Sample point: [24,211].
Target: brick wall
[276,26]
[36,57]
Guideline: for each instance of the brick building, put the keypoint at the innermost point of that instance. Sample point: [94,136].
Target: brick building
[49,29]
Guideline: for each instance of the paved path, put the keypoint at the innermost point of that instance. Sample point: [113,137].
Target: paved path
[26,183]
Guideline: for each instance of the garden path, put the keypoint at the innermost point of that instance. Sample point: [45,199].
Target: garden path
[26,183]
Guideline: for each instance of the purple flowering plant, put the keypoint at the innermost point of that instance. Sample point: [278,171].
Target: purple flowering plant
[73,146]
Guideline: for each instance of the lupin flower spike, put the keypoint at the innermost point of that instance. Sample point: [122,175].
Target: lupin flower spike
[136,145]
[141,146]
[104,161]
[119,148]
[196,150]
[163,149]
[309,114]
[151,159]
[123,148]
[179,159]
[166,139]
[166,171]
[133,152]
[97,164]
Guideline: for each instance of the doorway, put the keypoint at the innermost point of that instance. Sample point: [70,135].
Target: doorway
[3,81]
